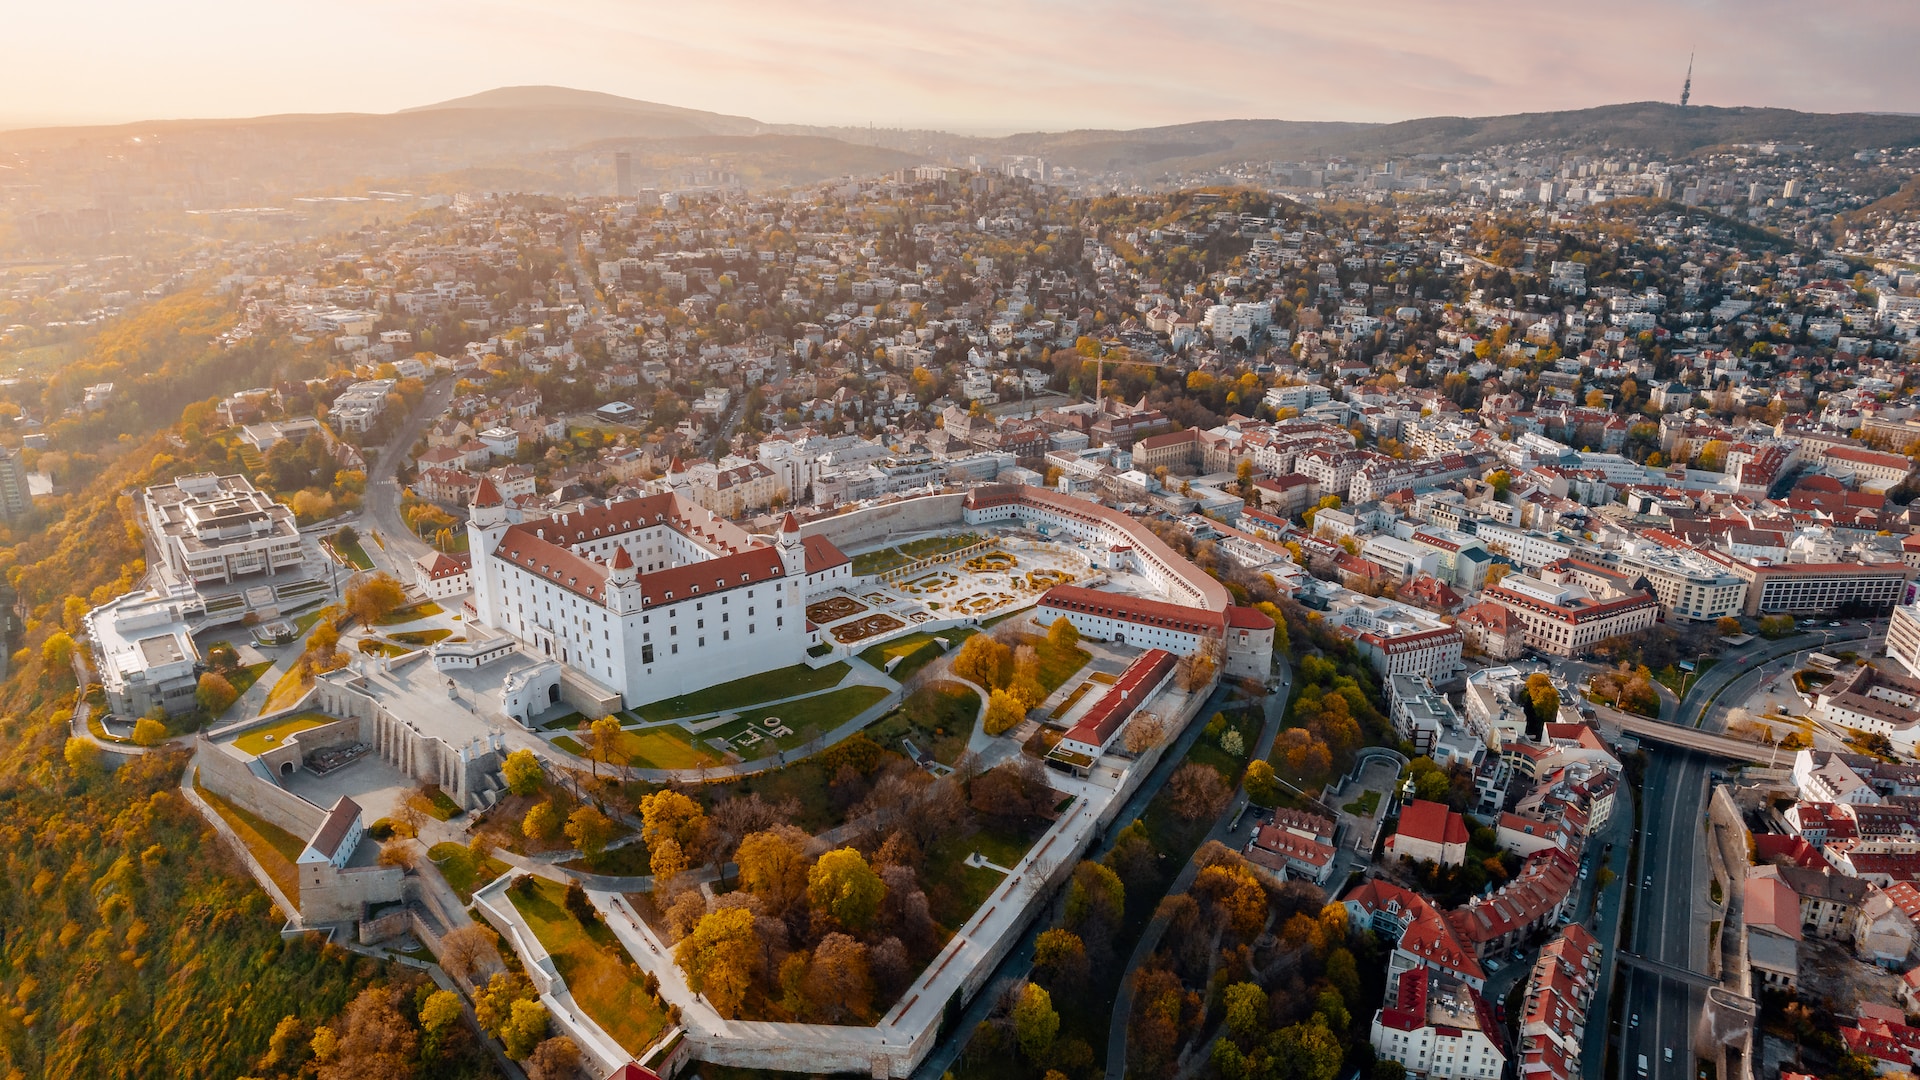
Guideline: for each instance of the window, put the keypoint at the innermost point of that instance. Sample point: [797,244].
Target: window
[646,654]
[676,650]
[703,641]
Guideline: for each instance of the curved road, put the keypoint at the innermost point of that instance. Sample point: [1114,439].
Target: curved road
[382,508]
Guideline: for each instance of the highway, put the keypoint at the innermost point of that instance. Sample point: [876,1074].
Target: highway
[1669,919]
[1672,908]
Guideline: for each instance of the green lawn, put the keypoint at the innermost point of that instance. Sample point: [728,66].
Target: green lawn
[920,649]
[1057,665]
[410,613]
[629,861]
[275,848]
[441,805]
[938,718]
[305,622]
[879,562]
[1365,805]
[462,871]
[264,738]
[741,693]
[421,638]
[243,678]
[353,553]
[954,889]
[652,748]
[603,979]
[805,718]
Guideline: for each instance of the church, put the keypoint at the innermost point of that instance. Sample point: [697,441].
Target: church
[650,597]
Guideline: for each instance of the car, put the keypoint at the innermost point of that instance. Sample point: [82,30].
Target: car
[1636,1019]
[1669,1054]
[1648,884]
[1583,873]
[1519,954]
[1491,966]
[1643,1064]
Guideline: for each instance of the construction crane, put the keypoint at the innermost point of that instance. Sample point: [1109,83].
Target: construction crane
[1100,374]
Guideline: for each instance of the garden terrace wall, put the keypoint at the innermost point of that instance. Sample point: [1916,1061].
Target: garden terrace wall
[879,523]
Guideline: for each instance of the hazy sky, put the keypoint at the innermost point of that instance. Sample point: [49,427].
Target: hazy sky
[977,65]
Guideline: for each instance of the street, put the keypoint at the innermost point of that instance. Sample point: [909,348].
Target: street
[383,486]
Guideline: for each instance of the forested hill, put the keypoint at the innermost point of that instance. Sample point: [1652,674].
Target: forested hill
[131,943]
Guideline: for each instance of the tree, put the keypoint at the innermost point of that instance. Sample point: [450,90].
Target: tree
[1062,635]
[1543,697]
[375,1040]
[1497,573]
[1263,787]
[522,772]
[1308,1051]
[671,814]
[526,1026]
[773,866]
[603,743]
[1095,898]
[542,822]
[839,982]
[374,598]
[841,884]
[1197,791]
[1233,743]
[1501,481]
[82,756]
[1035,1024]
[1143,733]
[1062,956]
[1727,626]
[468,951]
[1246,1011]
[1004,711]
[666,862]
[215,694]
[438,1015]
[555,1059]
[720,957]
[57,651]
[589,830]
[984,662]
[149,732]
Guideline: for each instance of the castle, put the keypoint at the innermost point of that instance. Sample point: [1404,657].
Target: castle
[649,597]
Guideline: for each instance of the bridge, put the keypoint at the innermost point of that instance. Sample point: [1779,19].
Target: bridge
[1666,971]
[1684,738]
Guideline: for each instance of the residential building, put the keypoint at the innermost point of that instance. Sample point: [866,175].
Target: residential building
[1439,1029]
[1429,832]
[1563,618]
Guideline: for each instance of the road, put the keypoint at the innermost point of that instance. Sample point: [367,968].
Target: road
[1672,908]
[1670,915]
[383,485]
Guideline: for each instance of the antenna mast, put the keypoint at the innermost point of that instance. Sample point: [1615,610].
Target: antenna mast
[1686,88]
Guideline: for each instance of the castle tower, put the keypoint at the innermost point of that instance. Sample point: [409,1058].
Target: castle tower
[623,584]
[486,526]
[793,554]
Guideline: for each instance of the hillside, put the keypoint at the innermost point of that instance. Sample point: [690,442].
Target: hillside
[562,141]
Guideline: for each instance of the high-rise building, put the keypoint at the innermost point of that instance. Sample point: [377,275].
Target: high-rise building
[623,174]
[15,498]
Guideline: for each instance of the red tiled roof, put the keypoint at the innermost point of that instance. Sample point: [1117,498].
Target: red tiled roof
[1432,822]
[1134,609]
[1134,686]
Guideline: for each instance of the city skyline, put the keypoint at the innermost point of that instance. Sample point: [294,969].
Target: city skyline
[995,68]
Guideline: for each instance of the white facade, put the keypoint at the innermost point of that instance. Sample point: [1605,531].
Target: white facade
[651,597]
[216,528]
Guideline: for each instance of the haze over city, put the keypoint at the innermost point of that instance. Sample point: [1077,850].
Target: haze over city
[990,67]
[1066,540]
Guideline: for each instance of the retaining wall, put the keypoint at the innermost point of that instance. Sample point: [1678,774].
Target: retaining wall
[232,779]
[871,526]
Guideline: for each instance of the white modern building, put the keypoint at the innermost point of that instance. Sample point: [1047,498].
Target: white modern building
[212,528]
[1440,1029]
[144,651]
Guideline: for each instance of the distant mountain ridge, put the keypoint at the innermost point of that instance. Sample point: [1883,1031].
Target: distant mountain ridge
[568,136]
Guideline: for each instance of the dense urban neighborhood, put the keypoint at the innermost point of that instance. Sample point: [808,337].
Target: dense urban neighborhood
[1445,614]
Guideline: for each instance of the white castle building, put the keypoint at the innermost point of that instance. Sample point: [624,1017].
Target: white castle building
[650,597]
